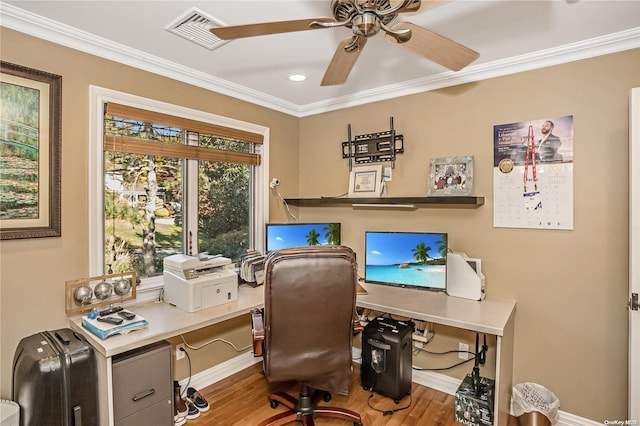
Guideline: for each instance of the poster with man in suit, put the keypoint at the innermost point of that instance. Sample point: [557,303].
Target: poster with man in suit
[533,174]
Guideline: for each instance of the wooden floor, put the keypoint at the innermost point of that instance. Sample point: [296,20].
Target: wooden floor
[241,400]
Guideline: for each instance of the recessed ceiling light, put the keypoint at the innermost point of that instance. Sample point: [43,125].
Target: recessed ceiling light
[297,77]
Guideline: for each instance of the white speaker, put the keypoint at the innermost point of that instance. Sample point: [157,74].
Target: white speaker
[464,277]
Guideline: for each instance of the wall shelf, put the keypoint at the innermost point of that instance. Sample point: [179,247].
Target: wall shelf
[406,202]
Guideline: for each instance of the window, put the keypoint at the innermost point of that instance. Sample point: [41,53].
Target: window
[165,179]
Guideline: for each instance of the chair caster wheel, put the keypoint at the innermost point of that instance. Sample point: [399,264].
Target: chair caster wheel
[357,424]
[365,388]
[273,403]
[326,397]
[397,401]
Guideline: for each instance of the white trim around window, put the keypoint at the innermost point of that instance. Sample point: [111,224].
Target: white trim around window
[98,96]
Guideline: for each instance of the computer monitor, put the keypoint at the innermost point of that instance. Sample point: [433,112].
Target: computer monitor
[406,259]
[285,235]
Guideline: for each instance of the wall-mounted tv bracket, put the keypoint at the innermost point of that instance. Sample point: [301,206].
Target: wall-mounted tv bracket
[373,147]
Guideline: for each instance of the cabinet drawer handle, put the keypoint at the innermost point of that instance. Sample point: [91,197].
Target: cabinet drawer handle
[143,394]
[77,416]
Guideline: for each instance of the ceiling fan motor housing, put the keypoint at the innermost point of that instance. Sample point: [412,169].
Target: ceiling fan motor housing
[366,21]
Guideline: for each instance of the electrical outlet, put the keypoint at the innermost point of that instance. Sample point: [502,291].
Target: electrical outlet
[386,174]
[179,354]
[464,351]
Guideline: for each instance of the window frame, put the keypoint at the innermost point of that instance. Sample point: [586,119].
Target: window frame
[98,97]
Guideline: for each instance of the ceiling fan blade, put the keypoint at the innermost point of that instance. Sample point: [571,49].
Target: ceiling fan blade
[436,47]
[416,6]
[342,62]
[265,28]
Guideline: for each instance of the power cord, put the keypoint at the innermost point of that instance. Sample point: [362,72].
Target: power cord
[444,368]
[388,412]
[483,353]
[286,205]
[453,351]
[195,348]
[385,412]
[184,389]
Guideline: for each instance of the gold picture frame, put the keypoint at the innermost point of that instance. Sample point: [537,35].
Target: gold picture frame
[30,152]
[451,176]
[365,181]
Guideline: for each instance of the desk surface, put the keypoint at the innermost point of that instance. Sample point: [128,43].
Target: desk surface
[487,316]
[166,321]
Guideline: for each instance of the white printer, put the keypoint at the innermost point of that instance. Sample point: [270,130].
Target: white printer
[192,283]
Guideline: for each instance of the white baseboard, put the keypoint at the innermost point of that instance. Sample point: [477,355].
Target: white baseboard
[221,371]
[450,385]
[568,419]
[437,381]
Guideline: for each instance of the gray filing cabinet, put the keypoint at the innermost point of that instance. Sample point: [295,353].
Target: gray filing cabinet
[143,386]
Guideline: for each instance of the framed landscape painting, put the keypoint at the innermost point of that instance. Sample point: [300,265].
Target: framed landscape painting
[29,152]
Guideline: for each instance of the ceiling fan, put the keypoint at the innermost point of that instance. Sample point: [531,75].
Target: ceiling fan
[366,18]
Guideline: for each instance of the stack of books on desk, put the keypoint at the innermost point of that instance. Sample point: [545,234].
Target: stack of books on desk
[104,329]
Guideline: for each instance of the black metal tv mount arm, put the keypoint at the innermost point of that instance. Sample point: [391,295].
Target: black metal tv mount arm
[373,147]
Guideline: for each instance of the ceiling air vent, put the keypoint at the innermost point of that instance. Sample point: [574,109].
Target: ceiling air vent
[194,26]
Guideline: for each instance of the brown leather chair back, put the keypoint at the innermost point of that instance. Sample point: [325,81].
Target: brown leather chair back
[310,296]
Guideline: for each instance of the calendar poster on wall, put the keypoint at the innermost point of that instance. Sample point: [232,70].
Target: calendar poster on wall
[533,174]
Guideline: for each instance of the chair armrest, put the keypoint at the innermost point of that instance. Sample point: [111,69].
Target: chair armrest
[257,331]
[357,325]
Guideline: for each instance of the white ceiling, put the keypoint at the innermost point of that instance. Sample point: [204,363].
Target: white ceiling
[511,36]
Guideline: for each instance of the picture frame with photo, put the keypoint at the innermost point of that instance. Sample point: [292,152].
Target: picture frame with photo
[450,176]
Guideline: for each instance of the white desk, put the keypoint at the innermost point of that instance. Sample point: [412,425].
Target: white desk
[488,316]
[165,321]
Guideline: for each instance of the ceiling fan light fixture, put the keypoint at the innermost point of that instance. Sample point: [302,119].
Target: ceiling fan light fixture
[366,25]
[297,77]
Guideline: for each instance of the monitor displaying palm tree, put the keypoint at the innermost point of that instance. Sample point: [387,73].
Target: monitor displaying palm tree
[407,259]
[285,235]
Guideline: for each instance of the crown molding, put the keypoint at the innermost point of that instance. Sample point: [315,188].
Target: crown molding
[55,32]
[611,43]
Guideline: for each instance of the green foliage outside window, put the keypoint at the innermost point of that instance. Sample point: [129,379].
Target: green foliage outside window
[144,205]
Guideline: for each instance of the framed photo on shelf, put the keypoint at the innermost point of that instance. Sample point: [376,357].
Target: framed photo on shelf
[450,176]
[365,181]
[30,156]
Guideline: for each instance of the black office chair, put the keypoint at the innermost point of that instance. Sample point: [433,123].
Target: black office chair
[310,295]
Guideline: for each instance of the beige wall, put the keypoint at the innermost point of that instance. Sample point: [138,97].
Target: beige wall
[570,286]
[33,272]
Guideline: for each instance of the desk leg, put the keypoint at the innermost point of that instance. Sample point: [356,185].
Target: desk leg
[105,390]
[504,376]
